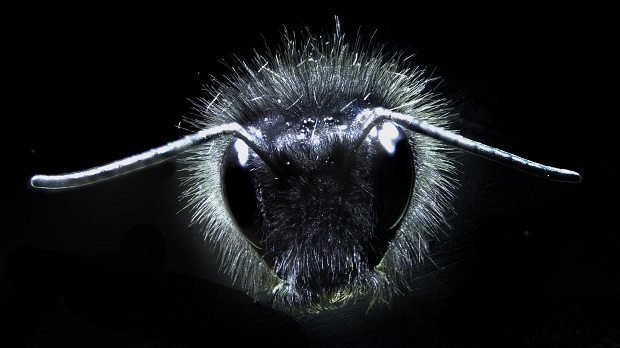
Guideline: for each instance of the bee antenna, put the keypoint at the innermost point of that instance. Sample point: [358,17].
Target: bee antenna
[142,160]
[369,118]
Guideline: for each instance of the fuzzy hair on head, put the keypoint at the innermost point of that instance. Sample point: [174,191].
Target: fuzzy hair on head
[274,95]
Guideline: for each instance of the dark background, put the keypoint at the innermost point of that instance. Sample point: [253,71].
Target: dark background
[527,262]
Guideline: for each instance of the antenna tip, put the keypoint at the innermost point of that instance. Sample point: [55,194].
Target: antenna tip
[37,182]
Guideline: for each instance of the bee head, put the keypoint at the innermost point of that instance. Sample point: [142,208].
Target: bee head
[318,171]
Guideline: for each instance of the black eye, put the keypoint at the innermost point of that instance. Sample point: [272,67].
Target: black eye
[238,187]
[393,177]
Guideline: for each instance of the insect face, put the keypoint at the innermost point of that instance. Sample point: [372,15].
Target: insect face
[322,209]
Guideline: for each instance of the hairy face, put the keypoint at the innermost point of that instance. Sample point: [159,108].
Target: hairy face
[323,206]
[326,214]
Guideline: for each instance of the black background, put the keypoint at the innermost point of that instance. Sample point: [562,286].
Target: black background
[527,263]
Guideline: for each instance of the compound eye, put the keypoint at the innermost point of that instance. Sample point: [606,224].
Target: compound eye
[239,189]
[393,175]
